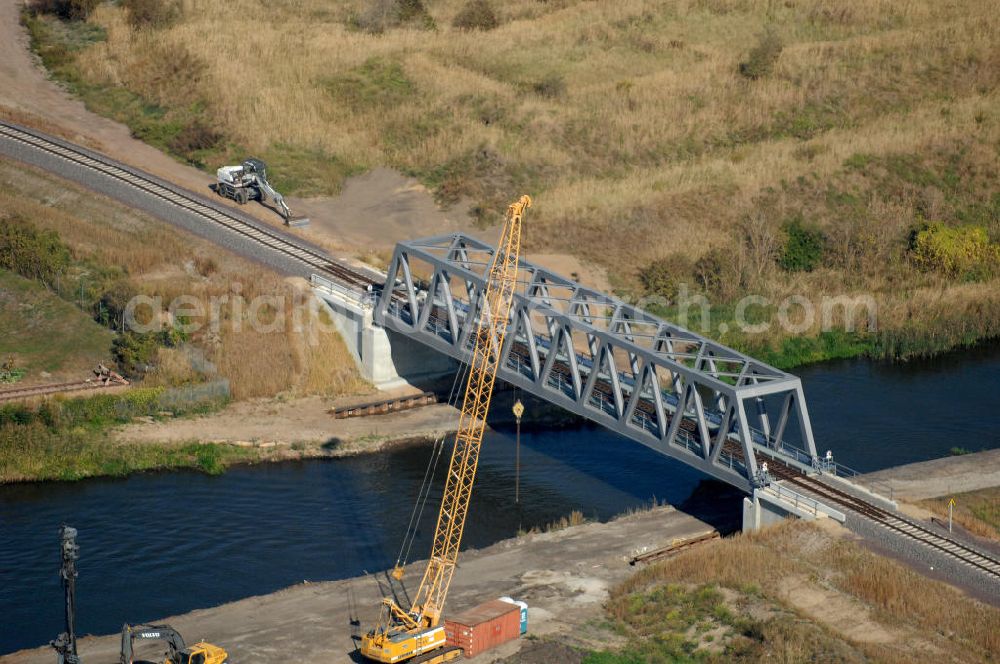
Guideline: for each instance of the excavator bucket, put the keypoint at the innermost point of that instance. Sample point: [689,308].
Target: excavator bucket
[297,221]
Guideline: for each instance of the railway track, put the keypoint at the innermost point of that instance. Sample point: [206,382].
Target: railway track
[55,388]
[312,258]
[916,532]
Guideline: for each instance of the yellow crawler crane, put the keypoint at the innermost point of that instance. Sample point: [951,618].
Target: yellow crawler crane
[416,635]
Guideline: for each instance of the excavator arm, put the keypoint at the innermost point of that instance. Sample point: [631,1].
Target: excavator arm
[151,632]
[258,170]
[266,187]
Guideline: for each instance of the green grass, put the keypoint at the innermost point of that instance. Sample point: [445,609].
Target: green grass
[375,84]
[36,452]
[44,332]
[305,171]
[69,439]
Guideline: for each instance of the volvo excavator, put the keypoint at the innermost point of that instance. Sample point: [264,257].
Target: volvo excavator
[65,644]
[177,651]
[414,634]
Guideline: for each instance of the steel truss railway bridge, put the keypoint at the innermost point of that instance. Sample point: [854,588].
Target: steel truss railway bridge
[675,391]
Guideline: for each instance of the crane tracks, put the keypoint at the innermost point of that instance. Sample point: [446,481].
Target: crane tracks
[311,258]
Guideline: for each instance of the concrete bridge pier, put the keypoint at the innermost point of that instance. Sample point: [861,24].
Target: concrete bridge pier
[385,358]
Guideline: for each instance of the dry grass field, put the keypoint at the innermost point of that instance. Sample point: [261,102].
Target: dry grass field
[977,511]
[792,147]
[794,593]
[159,261]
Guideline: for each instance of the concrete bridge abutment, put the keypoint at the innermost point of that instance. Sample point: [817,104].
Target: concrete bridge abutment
[385,358]
[773,503]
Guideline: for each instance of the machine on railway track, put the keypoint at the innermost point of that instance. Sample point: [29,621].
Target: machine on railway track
[248,182]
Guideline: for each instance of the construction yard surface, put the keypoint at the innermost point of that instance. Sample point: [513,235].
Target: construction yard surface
[792,593]
[563,575]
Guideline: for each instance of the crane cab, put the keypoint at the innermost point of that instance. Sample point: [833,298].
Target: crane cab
[202,653]
[397,645]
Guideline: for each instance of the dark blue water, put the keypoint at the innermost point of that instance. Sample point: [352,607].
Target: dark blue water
[874,415]
[160,544]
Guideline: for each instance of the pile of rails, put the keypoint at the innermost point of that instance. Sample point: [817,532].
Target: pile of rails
[384,406]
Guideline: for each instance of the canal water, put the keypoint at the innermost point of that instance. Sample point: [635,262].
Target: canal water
[159,544]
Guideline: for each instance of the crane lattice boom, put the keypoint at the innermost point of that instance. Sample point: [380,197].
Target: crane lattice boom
[493,319]
[402,634]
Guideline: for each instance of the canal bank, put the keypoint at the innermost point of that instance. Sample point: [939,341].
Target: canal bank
[565,576]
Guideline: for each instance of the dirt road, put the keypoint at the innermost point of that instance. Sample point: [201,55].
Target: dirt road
[373,212]
[305,423]
[564,576]
[942,477]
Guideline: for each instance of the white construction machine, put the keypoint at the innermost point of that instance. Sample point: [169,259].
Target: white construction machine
[248,182]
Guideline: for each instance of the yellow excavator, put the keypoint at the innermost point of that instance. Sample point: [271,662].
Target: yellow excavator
[178,652]
[415,635]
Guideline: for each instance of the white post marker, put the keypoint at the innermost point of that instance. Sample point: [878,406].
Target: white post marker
[951,507]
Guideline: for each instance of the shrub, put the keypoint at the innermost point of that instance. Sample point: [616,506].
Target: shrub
[74,10]
[803,249]
[134,352]
[709,270]
[663,276]
[112,304]
[9,373]
[382,15]
[763,56]
[33,254]
[550,86]
[955,251]
[193,137]
[476,15]
[149,13]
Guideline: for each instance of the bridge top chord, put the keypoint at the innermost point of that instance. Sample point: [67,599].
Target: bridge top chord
[598,313]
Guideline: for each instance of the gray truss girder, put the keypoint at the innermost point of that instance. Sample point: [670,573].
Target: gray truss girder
[679,393]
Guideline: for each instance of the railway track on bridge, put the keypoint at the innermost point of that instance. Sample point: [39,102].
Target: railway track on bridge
[258,233]
[964,554]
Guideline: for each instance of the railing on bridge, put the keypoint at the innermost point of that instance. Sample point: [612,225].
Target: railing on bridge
[876,486]
[802,502]
[605,360]
[353,294]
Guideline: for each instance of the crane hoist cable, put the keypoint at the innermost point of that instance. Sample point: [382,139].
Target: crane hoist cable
[428,481]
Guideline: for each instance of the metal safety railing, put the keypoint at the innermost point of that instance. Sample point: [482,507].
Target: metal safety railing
[363,298]
[802,502]
[878,487]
